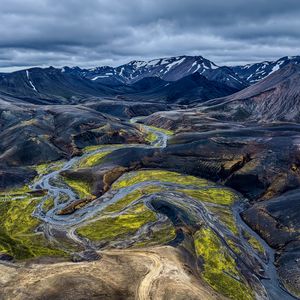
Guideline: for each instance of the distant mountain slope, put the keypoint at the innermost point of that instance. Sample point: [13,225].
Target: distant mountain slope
[50,85]
[71,86]
[275,98]
[193,88]
[163,80]
[253,73]
[226,76]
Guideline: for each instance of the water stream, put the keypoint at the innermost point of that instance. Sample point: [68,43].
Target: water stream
[68,223]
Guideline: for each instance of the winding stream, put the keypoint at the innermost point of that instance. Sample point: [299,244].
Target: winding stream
[68,223]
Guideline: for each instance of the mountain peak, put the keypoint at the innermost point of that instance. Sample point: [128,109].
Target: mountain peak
[253,73]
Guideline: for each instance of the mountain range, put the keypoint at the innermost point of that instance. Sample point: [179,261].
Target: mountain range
[175,68]
[182,80]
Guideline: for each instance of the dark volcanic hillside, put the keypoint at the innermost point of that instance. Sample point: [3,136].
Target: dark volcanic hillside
[191,89]
[72,86]
[33,134]
[226,76]
[50,86]
[276,98]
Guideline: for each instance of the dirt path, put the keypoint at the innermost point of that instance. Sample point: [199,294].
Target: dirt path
[166,277]
[144,289]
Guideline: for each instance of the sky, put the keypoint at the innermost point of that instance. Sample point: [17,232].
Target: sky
[89,33]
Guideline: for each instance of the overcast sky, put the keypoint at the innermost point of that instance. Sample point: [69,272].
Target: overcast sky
[91,33]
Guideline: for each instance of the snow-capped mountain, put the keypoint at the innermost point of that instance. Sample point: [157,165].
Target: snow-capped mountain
[158,78]
[175,68]
[168,69]
[253,73]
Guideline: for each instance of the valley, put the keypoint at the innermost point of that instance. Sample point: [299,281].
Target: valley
[156,188]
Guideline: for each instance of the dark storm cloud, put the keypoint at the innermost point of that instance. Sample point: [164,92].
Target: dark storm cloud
[97,32]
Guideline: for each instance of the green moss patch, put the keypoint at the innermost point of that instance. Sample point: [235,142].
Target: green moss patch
[222,200]
[215,195]
[48,204]
[46,168]
[255,244]
[81,188]
[15,192]
[159,236]
[17,226]
[159,175]
[165,131]
[219,268]
[226,217]
[111,228]
[93,148]
[92,160]
[151,137]
[234,246]
[129,198]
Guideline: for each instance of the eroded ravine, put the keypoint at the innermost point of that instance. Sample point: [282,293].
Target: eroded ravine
[172,195]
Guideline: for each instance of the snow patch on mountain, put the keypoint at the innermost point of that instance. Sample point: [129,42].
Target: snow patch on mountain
[30,82]
[274,69]
[173,64]
[100,76]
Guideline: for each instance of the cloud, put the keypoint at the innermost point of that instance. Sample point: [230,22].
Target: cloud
[96,32]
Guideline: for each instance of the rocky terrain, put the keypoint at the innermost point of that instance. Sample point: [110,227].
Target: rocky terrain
[275,98]
[150,187]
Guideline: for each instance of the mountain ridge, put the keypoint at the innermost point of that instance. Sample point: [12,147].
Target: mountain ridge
[177,67]
[275,98]
[137,80]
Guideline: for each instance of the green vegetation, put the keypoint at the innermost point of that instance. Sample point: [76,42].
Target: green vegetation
[215,195]
[129,198]
[234,246]
[159,175]
[93,148]
[256,245]
[254,242]
[151,137]
[48,204]
[291,287]
[221,198]
[219,268]
[46,168]
[15,192]
[110,228]
[226,217]
[92,160]
[165,131]
[17,226]
[81,187]
[159,236]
